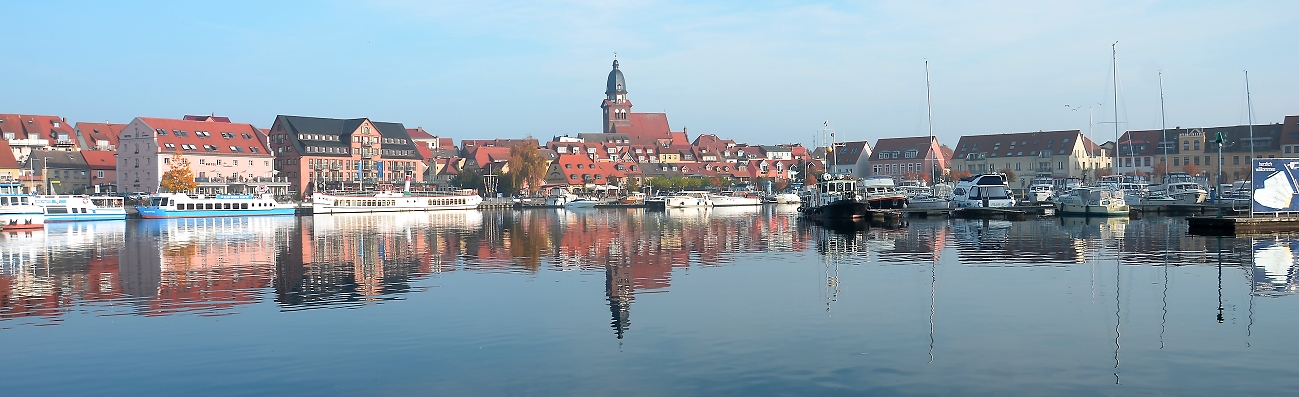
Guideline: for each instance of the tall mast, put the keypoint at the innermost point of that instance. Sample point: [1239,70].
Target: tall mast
[930,102]
[1114,57]
[1249,109]
[1163,122]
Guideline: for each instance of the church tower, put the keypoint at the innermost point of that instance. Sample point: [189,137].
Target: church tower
[616,106]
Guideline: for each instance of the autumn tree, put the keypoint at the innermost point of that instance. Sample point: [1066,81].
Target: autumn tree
[959,174]
[780,185]
[527,166]
[178,178]
[1161,169]
[1191,169]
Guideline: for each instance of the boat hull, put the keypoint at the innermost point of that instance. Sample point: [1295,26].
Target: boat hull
[841,209]
[162,213]
[1093,210]
[97,215]
[330,204]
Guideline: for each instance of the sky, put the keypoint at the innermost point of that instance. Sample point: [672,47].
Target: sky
[761,72]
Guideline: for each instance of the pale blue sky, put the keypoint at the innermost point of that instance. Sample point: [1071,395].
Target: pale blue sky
[761,72]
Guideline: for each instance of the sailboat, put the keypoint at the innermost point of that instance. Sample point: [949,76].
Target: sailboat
[926,197]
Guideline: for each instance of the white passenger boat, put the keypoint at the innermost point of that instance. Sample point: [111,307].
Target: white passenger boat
[17,211]
[1093,201]
[729,199]
[986,190]
[182,205]
[69,208]
[688,199]
[345,202]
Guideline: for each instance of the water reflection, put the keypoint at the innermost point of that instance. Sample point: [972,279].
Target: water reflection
[214,266]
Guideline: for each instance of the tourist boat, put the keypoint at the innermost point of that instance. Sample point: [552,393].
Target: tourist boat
[983,191]
[68,208]
[784,198]
[1182,188]
[1093,201]
[727,199]
[1041,190]
[183,205]
[346,202]
[688,198]
[835,197]
[17,211]
[880,193]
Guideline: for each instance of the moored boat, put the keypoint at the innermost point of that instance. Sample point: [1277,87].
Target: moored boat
[880,193]
[182,205]
[18,213]
[983,191]
[687,199]
[784,198]
[1093,201]
[346,202]
[728,199]
[69,208]
[835,197]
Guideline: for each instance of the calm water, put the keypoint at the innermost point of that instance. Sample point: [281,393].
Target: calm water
[613,302]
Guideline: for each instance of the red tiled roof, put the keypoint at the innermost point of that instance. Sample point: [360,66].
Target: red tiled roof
[446,142]
[645,128]
[418,133]
[92,132]
[100,159]
[424,152]
[244,136]
[35,126]
[7,159]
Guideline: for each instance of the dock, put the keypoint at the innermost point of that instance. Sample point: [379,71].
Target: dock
[1232,225]
[496,202]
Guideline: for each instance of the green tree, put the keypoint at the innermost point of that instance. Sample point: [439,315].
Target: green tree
[468,178]
[527,166]
[179,178]
[632,185]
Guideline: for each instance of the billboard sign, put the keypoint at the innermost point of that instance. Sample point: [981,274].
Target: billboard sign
[1275,184]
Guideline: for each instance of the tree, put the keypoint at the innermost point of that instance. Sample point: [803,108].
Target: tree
[1191,169]
[179,178]
[809,174]
[780,184]
[960,174]
[527,166]
[1161,169]
[468,178]
[632,185]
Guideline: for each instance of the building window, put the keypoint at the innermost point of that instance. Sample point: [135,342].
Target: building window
[1186,145]
[1059,165]
[100,174]
[1197,145]
[1197,160]
[1235,159]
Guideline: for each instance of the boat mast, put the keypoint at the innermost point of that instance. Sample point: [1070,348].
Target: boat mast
[1163,123]
[1114,58]
[930,102]
[1249,109]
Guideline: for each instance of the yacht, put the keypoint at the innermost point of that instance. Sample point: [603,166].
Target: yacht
[785,198]
[922,196]
[688,198]
[727,199]
[1041,190]
[1093,201]
[880,193]
[67,207]
[985,190]
[1182,188]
